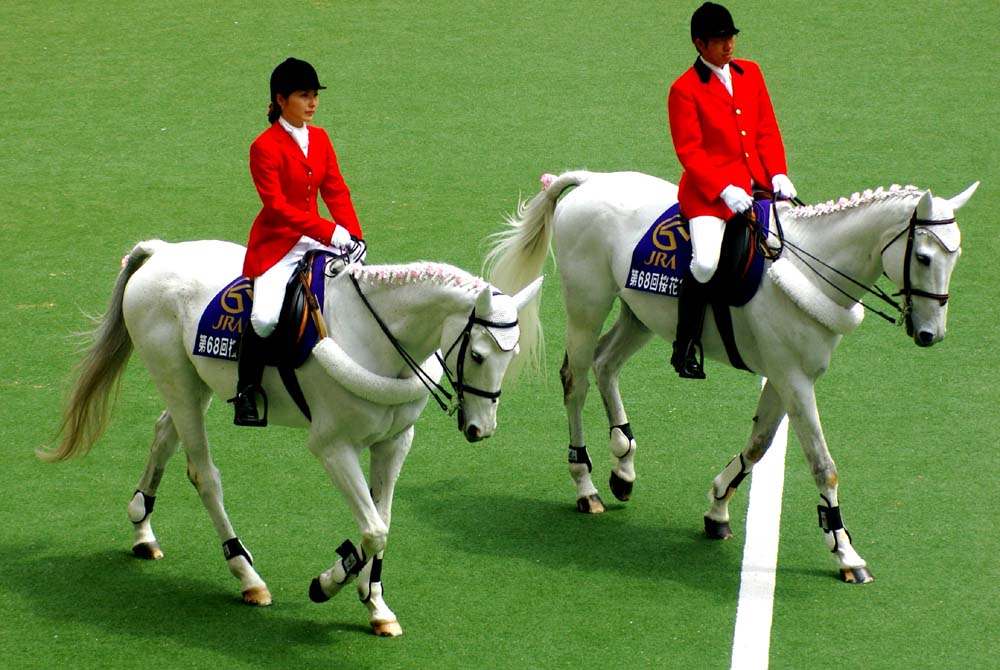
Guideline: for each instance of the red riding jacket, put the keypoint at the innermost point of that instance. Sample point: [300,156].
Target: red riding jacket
[290,185]
[722,139]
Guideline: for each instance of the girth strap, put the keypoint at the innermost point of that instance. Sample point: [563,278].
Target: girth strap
[291,381]
[724,322]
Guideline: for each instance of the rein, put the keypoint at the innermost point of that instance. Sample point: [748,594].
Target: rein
[908,291]
[457,383]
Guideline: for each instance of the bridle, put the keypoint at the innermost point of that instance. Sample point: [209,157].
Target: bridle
[907,291]
[457,381]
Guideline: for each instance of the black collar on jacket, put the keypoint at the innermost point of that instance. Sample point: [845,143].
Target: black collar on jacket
[705,74]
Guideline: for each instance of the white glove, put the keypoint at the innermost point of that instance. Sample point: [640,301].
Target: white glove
[341,238]
[782,187]
[359,252]
[736,199]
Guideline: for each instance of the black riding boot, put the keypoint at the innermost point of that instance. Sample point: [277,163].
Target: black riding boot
[687,357]
[248,386]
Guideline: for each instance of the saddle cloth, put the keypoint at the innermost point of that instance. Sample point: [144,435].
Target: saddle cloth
[663,255]
[228,313]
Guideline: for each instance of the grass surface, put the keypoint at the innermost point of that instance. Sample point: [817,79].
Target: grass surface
[132,120]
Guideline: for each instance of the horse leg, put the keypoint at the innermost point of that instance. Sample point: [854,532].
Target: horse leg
[770,412]
[575,381]
[626,337]
[343,466]
[386,462]
[804,417]
[165,445]
[189,419]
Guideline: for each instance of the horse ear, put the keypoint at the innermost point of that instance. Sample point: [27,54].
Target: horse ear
[963,197]
[528,293]
[925,207]
[484,303]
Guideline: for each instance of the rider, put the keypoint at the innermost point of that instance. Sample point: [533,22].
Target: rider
[728,142]
[291,164]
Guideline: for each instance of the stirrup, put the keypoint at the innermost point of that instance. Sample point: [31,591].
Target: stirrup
[245,406]
[688,360]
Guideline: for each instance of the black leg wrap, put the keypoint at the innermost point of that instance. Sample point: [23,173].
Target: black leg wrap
[147,503]
[352,561]
[376,575]
[626,430]
[580,455]
[233,548]
[829,518]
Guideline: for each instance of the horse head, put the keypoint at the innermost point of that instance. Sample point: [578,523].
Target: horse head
[480,353]
[920,260]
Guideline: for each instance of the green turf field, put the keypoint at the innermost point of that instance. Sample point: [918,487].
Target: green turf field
[132,120]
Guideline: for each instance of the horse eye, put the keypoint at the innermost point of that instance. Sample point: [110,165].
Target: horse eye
[923,259]
[476,357]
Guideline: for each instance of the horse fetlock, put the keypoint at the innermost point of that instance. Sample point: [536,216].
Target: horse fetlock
[622,442]
[140,507]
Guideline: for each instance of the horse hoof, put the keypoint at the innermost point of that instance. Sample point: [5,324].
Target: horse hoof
[258,596]
[717,530]
[856,575]
[620,488]
[316,593]
[591,504]
[387,628]
[149,551]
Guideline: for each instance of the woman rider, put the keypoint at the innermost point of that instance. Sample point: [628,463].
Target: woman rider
[293,165]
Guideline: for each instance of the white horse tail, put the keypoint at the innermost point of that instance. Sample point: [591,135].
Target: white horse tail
[88,409]
[517,256]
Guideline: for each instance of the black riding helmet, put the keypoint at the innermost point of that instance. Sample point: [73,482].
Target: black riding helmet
[293,75]
[712,20]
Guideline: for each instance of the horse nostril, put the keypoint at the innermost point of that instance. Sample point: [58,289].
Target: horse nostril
[472,434]
[925,338]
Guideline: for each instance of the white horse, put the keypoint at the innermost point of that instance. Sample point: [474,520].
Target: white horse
[361,392]
[787,332]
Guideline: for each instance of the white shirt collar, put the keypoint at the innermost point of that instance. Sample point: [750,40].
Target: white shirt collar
[300,135]
[723,73]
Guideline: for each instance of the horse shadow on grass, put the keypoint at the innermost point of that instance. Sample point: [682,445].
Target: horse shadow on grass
[552,533]
[112,591]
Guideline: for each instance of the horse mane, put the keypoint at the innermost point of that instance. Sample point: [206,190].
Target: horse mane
[441,274]
[880,194]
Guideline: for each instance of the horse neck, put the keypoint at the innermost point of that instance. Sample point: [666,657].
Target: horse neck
[416,301]
[849,235]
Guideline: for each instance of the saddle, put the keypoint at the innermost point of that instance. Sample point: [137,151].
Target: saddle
[662,256]
[228,314]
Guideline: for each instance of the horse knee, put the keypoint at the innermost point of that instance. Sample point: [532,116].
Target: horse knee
[373,541]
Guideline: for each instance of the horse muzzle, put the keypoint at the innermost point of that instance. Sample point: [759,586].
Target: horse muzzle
[472,431]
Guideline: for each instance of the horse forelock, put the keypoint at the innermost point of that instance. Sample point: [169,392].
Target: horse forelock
[440,274]
[879,195]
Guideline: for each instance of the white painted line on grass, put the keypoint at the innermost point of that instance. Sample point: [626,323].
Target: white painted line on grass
[752,635]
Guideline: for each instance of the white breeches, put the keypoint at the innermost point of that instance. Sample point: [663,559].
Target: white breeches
[269,288]
[706,244]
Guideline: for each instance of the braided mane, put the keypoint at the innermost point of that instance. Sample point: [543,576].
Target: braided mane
[894,192]
[418,272]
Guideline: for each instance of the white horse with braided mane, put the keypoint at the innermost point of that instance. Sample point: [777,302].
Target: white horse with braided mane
[808,300]
[361,392]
